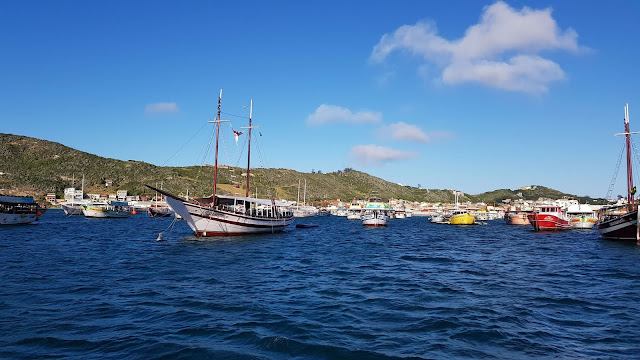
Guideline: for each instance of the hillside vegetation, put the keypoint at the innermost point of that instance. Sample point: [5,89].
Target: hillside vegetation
[35,167]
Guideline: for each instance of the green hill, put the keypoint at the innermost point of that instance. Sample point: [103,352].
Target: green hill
[36,167]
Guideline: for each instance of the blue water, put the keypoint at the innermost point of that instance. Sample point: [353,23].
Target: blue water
[106,289]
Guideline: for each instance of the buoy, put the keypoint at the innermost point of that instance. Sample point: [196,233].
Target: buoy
[38,213]
[133,212]
[159,237]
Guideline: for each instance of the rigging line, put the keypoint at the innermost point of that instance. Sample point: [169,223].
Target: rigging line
[206,152]
[267,181]
[241,151]
[183,145]
[238,116]
[635,150]
[615,172]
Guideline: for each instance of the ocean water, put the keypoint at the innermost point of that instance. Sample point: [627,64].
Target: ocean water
[72,287]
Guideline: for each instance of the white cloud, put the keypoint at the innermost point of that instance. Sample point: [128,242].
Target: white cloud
[402,131]
[377,155]
[161,108]
[500,51]
[325,114]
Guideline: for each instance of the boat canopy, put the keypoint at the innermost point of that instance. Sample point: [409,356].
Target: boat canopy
[118,203]
[267,202]
[579,209]
[17,199]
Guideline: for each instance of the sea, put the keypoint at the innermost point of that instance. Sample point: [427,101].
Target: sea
[72,287]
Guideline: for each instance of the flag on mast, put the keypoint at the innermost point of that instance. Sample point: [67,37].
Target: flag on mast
[237,134]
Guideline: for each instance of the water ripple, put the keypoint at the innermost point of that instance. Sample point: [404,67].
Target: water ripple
[79,288]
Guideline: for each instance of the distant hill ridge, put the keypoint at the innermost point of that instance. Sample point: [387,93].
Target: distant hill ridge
[35,167]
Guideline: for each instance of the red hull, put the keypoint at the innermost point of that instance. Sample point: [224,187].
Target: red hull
[548,222]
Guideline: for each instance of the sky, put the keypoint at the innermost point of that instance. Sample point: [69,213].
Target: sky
[465,95]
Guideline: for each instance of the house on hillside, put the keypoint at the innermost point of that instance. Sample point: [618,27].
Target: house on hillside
[121,195]
[51,198]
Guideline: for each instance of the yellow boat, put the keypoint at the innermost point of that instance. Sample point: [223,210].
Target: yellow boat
[462,217]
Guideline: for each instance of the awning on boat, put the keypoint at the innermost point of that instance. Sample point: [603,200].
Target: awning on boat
[118,203]
[254,200]
[267,202]
[17,199]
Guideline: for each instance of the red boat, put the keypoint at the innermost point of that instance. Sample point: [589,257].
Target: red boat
[549,218]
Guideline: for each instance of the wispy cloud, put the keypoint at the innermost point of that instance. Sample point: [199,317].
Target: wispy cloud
[378,155]
[161,108]
[500,51]
[326,114]
[402,131]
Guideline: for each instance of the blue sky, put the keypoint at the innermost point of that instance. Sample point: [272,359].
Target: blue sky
[469,95]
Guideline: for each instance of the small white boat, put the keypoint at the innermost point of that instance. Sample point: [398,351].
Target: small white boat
[304,211]
[354,212]
[18,210]
[111,209]
[436,218]
[408,213]
[375,212]
[581,216]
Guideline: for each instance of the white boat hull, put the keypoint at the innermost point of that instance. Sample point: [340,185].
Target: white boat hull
[91,212]
[205,221]
[13,219]
[401,216]
[375,221]
[73,209]
[583,222]
[436,219]
[354,217]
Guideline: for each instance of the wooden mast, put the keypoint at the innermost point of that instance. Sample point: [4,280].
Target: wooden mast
[249,148]
[215,169]
[630,191]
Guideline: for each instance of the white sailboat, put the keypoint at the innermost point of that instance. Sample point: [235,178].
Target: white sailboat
[304,210]
[220,215]
[74,206]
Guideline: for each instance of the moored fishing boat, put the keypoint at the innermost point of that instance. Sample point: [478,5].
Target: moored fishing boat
[354,212]
[159,211]
[517,217]
[73,208]
[462,217]
[74,202]
[581,216]
[220,215]
[18,210]
[482,215]
[399,213]
[111,209]
[621,222]
[549,218]
[375,212]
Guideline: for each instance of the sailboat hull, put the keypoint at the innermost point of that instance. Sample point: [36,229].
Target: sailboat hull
[205,221]
[619,228]
[72,209]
